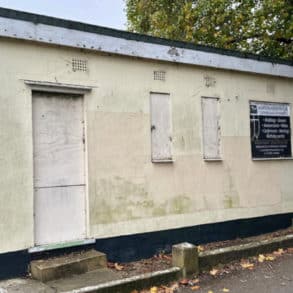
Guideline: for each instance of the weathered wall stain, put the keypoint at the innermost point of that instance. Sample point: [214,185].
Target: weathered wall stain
[210,81]
[119,200]
[173,52]
[231,198]
[180,204]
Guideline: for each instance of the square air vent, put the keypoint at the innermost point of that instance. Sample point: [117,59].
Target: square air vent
[79,65]
[160,75]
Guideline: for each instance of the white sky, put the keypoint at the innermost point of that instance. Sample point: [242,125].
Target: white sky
[109,13]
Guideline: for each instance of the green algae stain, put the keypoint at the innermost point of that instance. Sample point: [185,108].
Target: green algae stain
[231,201]
[180,204]
[117,199]
[228,202]
[159,211]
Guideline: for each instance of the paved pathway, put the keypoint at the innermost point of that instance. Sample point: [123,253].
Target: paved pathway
[268,277]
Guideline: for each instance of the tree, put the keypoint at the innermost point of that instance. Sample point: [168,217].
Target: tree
[263,27]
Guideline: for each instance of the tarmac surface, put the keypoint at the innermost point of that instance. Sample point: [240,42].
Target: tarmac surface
[268,277]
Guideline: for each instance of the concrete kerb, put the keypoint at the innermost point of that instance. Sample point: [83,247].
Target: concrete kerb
[208,259]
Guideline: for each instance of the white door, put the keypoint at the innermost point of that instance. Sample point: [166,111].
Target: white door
[161,127]
[59,168]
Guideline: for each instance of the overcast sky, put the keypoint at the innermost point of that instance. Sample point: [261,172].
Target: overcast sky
[109,13]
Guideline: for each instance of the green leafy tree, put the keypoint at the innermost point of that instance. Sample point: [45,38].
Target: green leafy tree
[263,27]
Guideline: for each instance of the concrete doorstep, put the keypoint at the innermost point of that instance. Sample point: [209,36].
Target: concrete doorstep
[65,266]
[186,262]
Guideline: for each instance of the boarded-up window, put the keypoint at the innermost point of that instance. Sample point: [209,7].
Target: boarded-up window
[211,128]
[161,127]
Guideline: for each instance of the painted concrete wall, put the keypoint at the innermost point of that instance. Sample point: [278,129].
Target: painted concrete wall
[127,192]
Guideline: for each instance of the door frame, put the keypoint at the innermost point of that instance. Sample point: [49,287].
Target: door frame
[62,88]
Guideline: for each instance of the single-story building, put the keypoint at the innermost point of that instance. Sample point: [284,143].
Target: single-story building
[131,143]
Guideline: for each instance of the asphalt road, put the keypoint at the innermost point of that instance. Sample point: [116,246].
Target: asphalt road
[268,277]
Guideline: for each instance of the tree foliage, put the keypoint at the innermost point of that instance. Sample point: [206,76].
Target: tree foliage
[257,26]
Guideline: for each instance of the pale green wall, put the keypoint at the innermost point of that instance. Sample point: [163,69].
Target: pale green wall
[127,193]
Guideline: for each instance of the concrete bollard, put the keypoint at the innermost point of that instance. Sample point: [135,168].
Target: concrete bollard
[185,256]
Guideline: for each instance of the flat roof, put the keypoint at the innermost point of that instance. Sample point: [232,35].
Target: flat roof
[40,28]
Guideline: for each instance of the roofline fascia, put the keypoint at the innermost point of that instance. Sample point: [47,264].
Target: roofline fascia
[34,27]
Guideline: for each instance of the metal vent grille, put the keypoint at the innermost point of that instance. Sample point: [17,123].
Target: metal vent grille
[160,75]
[79,65]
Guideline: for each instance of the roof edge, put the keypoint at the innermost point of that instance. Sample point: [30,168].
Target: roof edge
[90,28]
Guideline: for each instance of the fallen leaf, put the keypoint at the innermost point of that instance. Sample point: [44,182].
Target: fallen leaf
[210,291]
[184,282]
[195,281]
[279,252]
[213,272]
[261,258]
[270,258]
[164,290]
[134,291]
[154,290]
[118,267]
[161,255]
[110,265]
[167,256]
[247,265]
[195,288]
[225,290]
[200,248]
[171,289]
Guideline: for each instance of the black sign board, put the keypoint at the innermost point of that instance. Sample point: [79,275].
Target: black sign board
[270,131]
